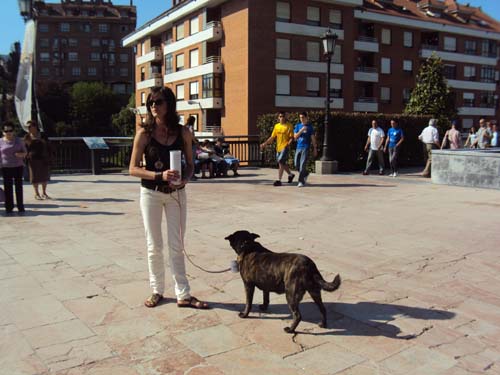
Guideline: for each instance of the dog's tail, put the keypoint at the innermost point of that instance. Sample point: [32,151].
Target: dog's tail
[329,287]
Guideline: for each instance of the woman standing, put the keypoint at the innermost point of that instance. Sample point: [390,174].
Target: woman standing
[161,134]
[471,139]
[38,159]
[12,153]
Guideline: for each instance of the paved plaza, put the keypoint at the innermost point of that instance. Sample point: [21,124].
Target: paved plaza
[420,265]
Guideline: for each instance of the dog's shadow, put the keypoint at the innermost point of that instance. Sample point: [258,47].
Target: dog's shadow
[350,319]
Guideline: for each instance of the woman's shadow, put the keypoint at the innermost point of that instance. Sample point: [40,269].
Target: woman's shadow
[349,319]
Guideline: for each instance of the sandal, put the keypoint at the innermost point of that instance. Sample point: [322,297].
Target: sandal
[193,303]
[45,196]
[38,197]
[154,300]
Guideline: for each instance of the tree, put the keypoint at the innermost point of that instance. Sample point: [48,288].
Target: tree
[124,121]
[432,95]
[92,104]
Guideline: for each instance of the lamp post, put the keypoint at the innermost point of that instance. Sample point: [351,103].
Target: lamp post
[26,9]
[203,120]
[328,40]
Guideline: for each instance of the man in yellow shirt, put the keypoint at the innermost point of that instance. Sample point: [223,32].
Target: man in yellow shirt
[283,132]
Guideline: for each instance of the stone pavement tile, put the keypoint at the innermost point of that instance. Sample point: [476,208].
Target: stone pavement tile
[15,245]
[365,368]
[31,365]
[75,353]
[479,310]
[13,345]
[438,335]
[113,275]
[417,360]
[112,366]
[87,262]
[5,318]
[125,332]
[17,288]
[212,340]
[38,311]
[13,269]
[76,287]
[134,292]
[253,359]
[486,361]
[4,256]
[42,257]
[325,359]
[172,363]
[57,333]
[99,310]
[460,347]
[133,263]
[370,313]
[52,271]
[480,329]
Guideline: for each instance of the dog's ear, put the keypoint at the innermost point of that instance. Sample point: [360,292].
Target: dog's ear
[254,235]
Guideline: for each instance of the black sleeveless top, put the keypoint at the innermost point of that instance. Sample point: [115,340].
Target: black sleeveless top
[158,158]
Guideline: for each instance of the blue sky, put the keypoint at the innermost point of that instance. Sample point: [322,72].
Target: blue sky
[12,25]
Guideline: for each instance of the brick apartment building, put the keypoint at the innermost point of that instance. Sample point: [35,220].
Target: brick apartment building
[230,60]
[80,40]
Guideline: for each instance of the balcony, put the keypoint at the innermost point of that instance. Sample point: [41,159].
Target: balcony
[366,74]
[366,43]
[426,51]
[204,104]
[211,64]
[153,55]
[212,32]
[152,82]
[287,101]
[476,111]
[472,85]
[365,104]
[307,66]
[305,30]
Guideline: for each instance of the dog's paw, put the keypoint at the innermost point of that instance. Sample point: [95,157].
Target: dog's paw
[322,325]
[288,330]
[263,307]
[243,314]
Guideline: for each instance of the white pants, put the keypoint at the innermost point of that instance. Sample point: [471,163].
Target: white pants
[153,203]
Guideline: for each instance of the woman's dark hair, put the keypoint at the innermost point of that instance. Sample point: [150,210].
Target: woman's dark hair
[191,120]
[33,123]
[472,129]
[7,124]
[172,118]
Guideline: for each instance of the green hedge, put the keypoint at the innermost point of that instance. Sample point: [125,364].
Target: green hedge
[348,135]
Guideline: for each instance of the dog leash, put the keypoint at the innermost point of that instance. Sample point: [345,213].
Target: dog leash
[182,243]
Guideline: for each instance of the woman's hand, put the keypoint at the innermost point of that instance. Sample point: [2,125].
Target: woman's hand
[170,175]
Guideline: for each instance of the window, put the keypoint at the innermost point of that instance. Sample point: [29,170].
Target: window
[283,48]
[470,72]
[385,63]
[73,56]
[169,63]
[123,57]
[75,71]
[64,27]
[194,58]
[470,47]
[123,28]
[450,43]
[95,43]
[194,26]
[44,43]
[85,27]
[385,94]
[335,88]
[179,62]
[312,86]
[103,28]
[180,31]
[143,98]
[487,74]
[55,43]
[143,74]
[92,71]
[450,71]
[283,11]
[468,99]
[143,48]
[408,39]
[123,72]
[487,99]
[488,48]
[337,54]
[313,16]
[45,72]
[193,90]
[282,85]
[313,51]
[386,36]
[406,95]
[212,86]
[179,92]
[111,58]
[95,56]
[335,18]
[44,56]
[43,28]
[408,66]
[73,42]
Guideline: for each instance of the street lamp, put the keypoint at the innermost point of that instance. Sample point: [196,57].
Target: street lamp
[328,39]
[25,8]
[203,120]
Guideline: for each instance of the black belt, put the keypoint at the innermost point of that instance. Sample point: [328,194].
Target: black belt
[164,188]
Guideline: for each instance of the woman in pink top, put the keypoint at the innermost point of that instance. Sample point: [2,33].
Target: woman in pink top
[452,136]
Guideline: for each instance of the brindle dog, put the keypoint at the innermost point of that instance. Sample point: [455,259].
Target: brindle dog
[292,274]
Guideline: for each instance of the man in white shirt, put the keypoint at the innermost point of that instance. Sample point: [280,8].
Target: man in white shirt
[375,141]
[430,139]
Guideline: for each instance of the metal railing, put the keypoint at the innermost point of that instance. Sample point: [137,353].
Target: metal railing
[366,69]
[366,38]
[71,154]
[211,59]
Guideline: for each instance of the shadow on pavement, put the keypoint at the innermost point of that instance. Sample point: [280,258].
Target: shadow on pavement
[32,213]
[101,200]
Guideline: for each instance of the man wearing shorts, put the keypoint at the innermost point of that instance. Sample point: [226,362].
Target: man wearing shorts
[283,132]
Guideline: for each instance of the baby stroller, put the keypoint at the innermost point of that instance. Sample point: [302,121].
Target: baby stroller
[232,162]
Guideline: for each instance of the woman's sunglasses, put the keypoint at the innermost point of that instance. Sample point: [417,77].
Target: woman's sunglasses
[8,130]
[156,102]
